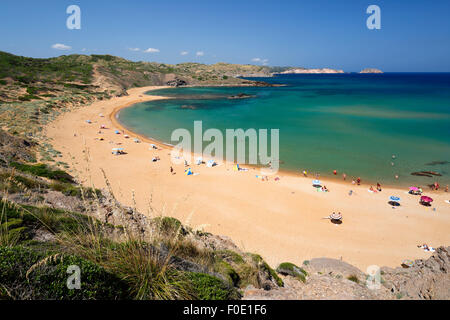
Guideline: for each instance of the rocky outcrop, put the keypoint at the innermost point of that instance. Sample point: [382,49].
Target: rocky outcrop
[176,83]
[240,96]
[426,279]
[371,70]
[333,279]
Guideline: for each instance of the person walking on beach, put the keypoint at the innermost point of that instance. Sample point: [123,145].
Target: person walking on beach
[334,172]
[304,173]
[378,186]
[358,181]
[171,170]
[436,186]
[446,188]
[344,176]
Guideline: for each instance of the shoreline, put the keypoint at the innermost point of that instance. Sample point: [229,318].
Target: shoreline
[281,220]
[114,117]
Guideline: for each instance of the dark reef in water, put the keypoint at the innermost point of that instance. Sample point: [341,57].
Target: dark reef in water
[241,96]
[190,107]
[435,163]
[426,174]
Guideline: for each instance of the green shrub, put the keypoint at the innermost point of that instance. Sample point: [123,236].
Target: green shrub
[31,275]
[225,269]
[170,226]
[32,90]
[266,268]
[208,287]
[42,170]
[12,231]
[291,269]
[55,220]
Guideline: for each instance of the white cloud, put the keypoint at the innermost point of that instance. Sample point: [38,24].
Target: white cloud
[183,53]
[60,46]
[83,50]
[259,60]
[151,50]
[200,53]
[134,49]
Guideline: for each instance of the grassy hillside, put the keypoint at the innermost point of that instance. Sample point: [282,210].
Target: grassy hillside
[26,79]
[34,91]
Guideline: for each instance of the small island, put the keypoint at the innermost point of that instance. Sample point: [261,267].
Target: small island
[304,70]
[371,70]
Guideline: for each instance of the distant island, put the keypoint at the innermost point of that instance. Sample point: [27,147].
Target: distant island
[371,70]
[304,70]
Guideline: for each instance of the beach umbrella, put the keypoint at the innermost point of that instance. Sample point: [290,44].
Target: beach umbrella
[335,216]
[426,199]
[394,198]
[316,182]
[413,188]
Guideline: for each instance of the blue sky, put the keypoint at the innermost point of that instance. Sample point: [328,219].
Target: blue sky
[414,35]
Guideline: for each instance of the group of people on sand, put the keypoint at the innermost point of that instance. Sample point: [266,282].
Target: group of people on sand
[378,189]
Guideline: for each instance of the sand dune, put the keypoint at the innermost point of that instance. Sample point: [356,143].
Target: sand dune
[281,220]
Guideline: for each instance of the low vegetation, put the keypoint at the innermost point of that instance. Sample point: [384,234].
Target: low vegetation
[38,243]
[287,268]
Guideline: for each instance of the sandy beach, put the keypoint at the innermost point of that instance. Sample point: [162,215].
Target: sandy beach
[281,220]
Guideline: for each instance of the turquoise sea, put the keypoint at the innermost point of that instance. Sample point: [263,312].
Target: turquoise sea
[353,123]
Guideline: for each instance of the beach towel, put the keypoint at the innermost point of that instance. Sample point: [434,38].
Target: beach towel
[427,249]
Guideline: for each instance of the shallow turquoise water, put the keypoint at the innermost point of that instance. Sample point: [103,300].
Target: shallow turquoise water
[352,123]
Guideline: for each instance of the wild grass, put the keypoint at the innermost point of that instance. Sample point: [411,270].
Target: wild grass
[155,264]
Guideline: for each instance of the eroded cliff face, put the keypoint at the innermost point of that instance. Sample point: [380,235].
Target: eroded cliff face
[334,279]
